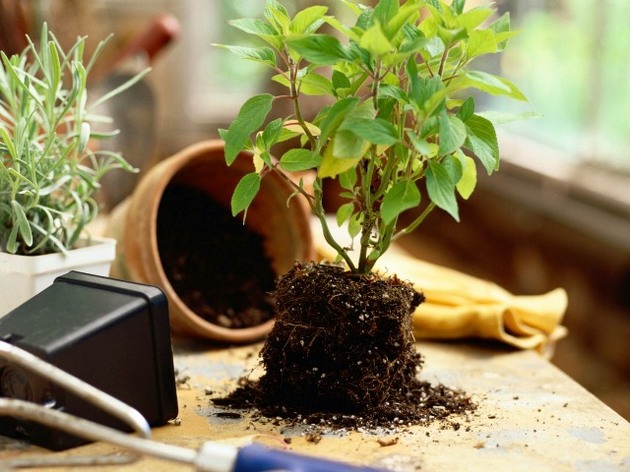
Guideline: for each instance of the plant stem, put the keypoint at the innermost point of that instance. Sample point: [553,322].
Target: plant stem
[415,223]
[320,213]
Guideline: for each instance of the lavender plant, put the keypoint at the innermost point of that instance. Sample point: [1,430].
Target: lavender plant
[48,172]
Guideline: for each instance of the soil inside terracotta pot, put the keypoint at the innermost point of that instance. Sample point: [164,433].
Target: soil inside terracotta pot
[342,354]
[216,265]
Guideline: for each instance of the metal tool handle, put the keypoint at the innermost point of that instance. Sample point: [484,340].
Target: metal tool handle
[78,387]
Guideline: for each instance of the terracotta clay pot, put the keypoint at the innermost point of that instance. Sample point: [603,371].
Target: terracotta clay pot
[285,229]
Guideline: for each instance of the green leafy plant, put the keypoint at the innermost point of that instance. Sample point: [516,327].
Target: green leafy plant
[398,126]
[48,170]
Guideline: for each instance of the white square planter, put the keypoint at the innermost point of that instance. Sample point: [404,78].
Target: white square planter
[22,277]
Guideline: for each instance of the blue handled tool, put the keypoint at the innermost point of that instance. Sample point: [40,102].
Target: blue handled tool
[214,457]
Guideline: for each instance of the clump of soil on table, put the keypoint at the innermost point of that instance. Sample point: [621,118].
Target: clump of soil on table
[216,265]
[342,354]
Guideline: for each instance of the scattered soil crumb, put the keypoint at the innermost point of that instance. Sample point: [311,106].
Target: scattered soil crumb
[314,438]
[385,442]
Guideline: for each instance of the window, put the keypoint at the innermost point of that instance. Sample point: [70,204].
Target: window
[572,60]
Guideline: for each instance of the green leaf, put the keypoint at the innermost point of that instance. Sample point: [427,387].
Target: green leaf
[394,92]
[344,212]
[277,15]
[375,41]
[347,145]
[271,133]
[340,80]
[454,167]
[315,84]
[259,28]
[296,160]
[458,6]
[441,189]
[402,196]
[245,192]
[428,93]
[481,42]
[467,109]
[321,49]
[308,20]
[332,166]
[262,55]
[21,222]
[335,116]
[474,17]
[488,83]
[385,10]
[482,141]
[376,131]
[405,15]
[502,28]
[250,117]
[452,134]
[348,179]
[468,182]
[253,26]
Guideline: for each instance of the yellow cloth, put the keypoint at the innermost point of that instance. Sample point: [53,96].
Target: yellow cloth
[461,306]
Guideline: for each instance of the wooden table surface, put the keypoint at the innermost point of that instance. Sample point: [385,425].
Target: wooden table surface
[531,416]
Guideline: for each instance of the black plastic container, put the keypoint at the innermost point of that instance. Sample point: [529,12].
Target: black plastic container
[110,333]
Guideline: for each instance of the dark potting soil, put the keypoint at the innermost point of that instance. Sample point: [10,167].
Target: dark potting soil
[342,355]
[216,265]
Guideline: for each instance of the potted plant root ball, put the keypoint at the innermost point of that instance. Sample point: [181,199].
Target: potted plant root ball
[399,130]
[176,231]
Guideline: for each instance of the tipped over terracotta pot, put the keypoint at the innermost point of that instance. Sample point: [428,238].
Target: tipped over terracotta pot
[284,230]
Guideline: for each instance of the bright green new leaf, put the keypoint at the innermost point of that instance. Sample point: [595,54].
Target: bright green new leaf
[468,182]
[474,17]
[245,192]
[402,196]
[319,49]
[482,141]
[308,20]
[481,42]
[251,117]
[452,134]
[375,41]
[315,84]
[441,189]
[296,160]
[277,15]
[405,15]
